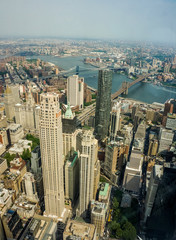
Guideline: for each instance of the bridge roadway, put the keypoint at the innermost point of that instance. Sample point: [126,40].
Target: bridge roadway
[122,90]
[90,110]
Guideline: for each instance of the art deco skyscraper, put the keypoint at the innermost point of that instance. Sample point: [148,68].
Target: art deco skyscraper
[52,154]
[103,103]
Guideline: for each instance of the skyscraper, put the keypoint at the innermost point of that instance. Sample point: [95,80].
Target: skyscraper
[9,103]
[52,154]
[75,91]
[69,131]
[88,159]
[115,120]
[103,103]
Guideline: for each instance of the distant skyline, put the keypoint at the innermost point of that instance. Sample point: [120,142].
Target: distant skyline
[141,20]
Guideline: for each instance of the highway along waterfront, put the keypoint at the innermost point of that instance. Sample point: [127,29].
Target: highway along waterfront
[144,92]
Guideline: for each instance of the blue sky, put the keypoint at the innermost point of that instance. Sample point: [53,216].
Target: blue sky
[153,20]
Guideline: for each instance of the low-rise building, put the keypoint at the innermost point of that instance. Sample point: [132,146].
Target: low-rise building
[104,192]
[18,165]
[78,231]
[98,216]
[40,228]
[25,209]
[12,224]
[3,165]
[29,187]
[16,132]
[18,148]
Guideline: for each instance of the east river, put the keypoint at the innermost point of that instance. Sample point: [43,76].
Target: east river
[144,92]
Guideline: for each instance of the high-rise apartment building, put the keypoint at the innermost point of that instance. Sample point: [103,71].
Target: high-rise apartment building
[51,147]
[115,120]
[75,91]
[88,159]
[103,103]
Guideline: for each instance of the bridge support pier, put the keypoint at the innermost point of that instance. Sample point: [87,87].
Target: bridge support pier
[125,88]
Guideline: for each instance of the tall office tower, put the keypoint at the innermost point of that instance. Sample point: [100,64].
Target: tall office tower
[88,158]
[75,91]
[169,107]
[133,172]
[165,139]
[156,174]
[69,131]
[115,120]
[36,169]
[9,103]
[36,161]
[72,177]
[15,92]
[115,155]
[96,178]
[103,103]
[51,147]
[29,187]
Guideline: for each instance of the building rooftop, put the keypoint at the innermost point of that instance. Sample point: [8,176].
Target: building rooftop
[68,114]
[84,230]
[98,207]
[72,159]
[103,189]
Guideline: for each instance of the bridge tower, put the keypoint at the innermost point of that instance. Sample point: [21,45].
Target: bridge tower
[77,70]
[125,87]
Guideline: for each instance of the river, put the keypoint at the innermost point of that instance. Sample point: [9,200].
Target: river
[144,92]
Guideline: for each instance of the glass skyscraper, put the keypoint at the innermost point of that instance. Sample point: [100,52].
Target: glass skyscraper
[103,103]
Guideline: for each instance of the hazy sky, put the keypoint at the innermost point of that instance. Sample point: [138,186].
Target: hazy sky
[121,19]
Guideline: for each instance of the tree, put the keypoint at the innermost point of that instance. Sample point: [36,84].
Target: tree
[113,227]
[9,157]
[35,141]
[129,231]
[116,210]
[26,155]
[119,232]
